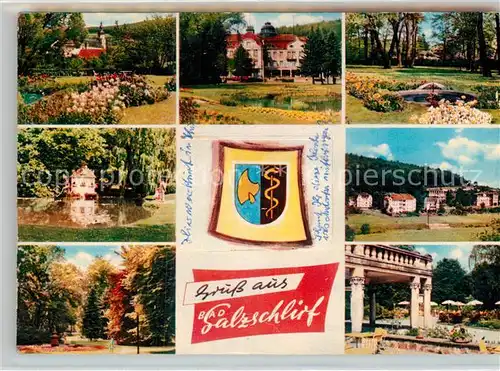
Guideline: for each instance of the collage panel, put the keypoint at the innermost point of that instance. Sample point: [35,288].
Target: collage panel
[423,68]
[260,302]
[422,184]
[260,68]
[422,299]
[96,184]
[241,189]
[95,299]
[97,68]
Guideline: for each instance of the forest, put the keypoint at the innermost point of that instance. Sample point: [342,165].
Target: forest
[133,159]
[378,177]
[101,301]
[466,40]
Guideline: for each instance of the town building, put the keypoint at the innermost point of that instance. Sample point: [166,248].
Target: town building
[361,201]
[284,50]
[487,199]
[92,47]
[82,184]
[433,203]
[399,203]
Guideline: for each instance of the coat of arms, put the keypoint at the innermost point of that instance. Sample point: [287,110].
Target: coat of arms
[260,197]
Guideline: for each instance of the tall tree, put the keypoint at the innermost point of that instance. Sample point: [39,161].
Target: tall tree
[93,324]
[449,281]
[483,56]
[333,58]
[497,31]
[243,64]
[312,64]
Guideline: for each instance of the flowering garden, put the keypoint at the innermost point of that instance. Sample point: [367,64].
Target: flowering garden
[103,99]
[374,98]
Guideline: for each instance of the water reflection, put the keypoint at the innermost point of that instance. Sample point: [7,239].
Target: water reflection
[80,213]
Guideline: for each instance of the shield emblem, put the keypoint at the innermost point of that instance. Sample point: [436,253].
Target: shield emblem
[259,198]
[260,192]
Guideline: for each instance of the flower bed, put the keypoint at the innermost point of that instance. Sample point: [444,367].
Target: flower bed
[47,348]
[453,114]
[327,116]
[376,94]
[101,101]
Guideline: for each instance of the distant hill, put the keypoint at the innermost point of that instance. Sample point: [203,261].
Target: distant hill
[305,29]
[378,176]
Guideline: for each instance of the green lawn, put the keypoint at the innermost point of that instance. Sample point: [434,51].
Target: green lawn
[208,98]
[159,113]
[452,77]
[386,228]
[153,233]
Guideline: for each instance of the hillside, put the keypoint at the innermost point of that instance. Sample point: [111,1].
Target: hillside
[305,29]
[378,176]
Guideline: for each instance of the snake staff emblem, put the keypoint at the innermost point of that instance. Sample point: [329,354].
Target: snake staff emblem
[260,192]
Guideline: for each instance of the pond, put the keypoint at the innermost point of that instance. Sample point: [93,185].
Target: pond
[30,98]
[294,104]
[449,95]
[79,213]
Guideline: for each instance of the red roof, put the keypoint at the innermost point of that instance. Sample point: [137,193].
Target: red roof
[90,53]
[278,41]
[401,197]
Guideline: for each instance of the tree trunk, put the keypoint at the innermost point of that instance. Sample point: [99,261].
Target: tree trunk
[414,42]
[482,46]
[497,23]
[395,41]
[365,40]
[407,47]
[398,47]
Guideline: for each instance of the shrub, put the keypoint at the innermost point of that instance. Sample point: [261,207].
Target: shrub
[365,229]
[412,332]
[228,101]
[438,332]
[492,324]
[171,85]
[488,96]
[350,234]
[387,102]
[32,335]
[187,111]
[287,80]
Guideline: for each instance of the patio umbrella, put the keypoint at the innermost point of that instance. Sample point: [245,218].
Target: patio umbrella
[404,303]
[459,303]
[434,304]
[475,302]
[497,303]
[448,302]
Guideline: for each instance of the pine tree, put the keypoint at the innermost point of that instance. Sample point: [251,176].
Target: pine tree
[333,58]
[243,64]
[314,56]
[93,320]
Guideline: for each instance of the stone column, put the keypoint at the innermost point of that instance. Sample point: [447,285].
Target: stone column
[415,292]
[373,306]
[427,303]
[357,295]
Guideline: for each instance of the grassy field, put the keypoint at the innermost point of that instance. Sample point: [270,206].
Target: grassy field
[208,98]
[159,227]
[451,77]
[414,228]
[159,113]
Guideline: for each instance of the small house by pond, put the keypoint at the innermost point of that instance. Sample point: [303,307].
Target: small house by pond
[82,184]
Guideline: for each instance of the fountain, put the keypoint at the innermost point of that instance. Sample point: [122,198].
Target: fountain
[438,91]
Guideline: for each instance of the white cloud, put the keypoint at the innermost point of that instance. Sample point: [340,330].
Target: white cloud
[382,150]
[466,151]
[82,260]
[445,165]
[250,19]
[290,19]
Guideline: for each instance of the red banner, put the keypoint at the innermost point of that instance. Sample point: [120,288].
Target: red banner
[253,302]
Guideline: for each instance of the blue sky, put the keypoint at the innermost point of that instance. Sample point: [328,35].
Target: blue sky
[83,255]
[474,151]
[108,19]
[438,252]
[287,19]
